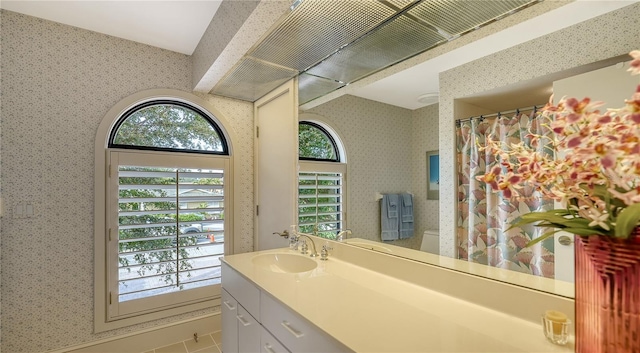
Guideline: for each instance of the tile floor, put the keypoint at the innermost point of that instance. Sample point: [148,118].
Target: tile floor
[211,343]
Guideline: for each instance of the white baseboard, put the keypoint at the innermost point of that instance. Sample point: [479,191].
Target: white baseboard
[149,339]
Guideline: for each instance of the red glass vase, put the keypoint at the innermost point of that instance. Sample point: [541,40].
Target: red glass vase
[608,294]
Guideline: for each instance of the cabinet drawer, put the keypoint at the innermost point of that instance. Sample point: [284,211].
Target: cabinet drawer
[268,344]
[242,290]
[248,332]
[229,310]
[295,333]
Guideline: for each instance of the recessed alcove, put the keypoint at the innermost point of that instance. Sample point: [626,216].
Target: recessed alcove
[606,80]
[523,94]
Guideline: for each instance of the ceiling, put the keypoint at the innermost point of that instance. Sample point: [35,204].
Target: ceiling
[174,25]
[179,26]
[402,88]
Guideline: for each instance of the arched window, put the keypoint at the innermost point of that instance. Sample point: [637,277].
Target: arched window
[321,180]
[168,126]
[315,143]
[166,210]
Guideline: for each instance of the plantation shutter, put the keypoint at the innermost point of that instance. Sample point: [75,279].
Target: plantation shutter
[169,227]
[321,197]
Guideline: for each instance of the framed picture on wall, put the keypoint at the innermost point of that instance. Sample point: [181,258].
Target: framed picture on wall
[433,175]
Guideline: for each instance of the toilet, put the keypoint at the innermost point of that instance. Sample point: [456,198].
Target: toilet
[431,241]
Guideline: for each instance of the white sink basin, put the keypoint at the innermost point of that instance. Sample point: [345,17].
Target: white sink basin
[284,263]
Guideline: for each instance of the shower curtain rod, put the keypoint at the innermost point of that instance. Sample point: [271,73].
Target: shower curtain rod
[483,116]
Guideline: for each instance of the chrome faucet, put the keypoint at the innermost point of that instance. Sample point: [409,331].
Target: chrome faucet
[295,239]
[314,253]
[343,235]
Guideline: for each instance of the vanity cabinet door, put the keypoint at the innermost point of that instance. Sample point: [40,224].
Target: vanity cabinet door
[295,333]
[229,323]
[268,343]
[249,332]
[242,290]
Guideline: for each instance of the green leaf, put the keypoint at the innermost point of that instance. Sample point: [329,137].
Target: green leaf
[602,192]
[585,231]
[545,217]
[577,231]
[556,219]
[555,212]
[577,222]
[627,220]
[552,219]
[542,237]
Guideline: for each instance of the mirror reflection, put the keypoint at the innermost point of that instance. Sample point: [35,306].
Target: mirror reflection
[386,145]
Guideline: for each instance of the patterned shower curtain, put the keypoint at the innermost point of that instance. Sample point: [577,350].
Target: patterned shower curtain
[484,216]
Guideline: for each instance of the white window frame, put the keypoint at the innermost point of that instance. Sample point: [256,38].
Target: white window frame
[117,310]
[310,166]
[105,316]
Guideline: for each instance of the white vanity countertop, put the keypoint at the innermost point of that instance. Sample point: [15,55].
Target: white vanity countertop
[539,283]
[371,312]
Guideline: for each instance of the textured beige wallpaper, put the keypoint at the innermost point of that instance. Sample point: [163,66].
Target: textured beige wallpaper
[240,116]
[600,38]
[424,128]
[58,82]
[386,148]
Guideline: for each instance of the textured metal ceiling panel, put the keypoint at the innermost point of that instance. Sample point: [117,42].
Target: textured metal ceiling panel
[252,79]
[456,17]
[315,29]
[311,87]
[399,4]
[345,40]
[391,43]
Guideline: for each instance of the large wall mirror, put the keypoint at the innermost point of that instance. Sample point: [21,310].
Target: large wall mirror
[387,144]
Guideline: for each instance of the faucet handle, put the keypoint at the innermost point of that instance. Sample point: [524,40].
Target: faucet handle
[284,234]
[304,248]
[324,254]
[293,242]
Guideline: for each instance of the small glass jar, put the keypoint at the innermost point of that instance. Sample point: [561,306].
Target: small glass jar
[556,331]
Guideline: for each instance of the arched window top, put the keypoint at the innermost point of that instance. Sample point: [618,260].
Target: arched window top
[168,125]
[316,143]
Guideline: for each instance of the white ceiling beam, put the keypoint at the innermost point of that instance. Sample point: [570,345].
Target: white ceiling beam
[210,64]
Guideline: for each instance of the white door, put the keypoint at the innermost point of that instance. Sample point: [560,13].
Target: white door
[276,165]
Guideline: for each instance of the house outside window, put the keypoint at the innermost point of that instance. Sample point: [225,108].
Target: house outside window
[167,211]
[321,180]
